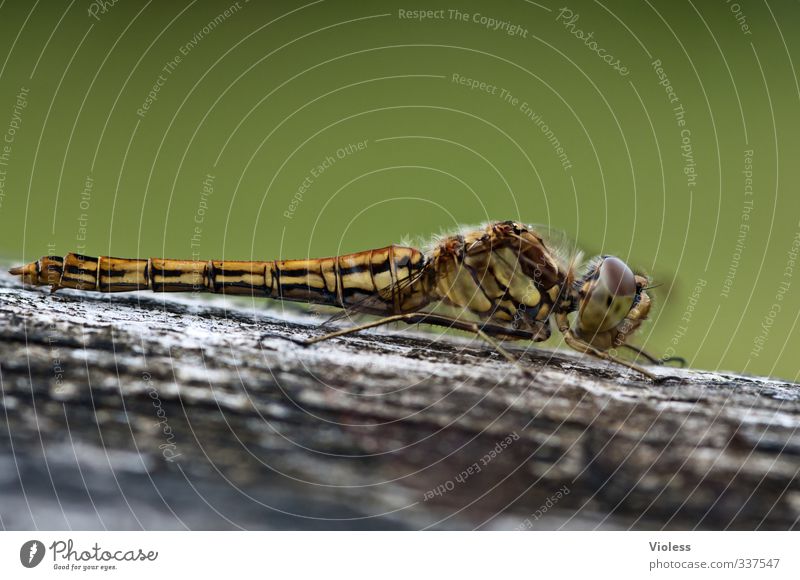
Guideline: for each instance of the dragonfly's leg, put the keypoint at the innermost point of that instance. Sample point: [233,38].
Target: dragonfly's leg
[483,331]
[428,318]
[656,361]
[359,328]
[581,346]
[576,343]
[499,348]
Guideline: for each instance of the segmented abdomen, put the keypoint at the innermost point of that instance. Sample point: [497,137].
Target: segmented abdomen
[376,280]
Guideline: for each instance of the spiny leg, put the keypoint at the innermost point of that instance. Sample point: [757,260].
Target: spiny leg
[496,345]
[499,348]
[425,318]
[354,329]
[483,331]
[562,323]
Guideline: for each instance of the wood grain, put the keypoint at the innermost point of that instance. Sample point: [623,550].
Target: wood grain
[143,411]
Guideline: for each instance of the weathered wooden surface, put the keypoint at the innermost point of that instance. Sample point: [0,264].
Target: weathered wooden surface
[145,411]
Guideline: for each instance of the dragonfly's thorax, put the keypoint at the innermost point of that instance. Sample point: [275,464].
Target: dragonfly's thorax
[504,273]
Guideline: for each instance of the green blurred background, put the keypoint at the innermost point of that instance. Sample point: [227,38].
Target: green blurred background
[264,93]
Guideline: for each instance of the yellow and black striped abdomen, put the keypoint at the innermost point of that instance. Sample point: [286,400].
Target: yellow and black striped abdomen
[80,272]
[375,281]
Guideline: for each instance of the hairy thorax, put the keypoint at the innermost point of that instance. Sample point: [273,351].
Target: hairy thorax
[503,273]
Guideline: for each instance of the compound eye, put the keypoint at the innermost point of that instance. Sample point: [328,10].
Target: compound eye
[617,277]
[609,297]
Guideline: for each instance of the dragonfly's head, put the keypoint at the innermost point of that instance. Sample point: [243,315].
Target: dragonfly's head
[608,292]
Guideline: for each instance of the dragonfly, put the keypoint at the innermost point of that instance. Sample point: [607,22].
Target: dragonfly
[503,280]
